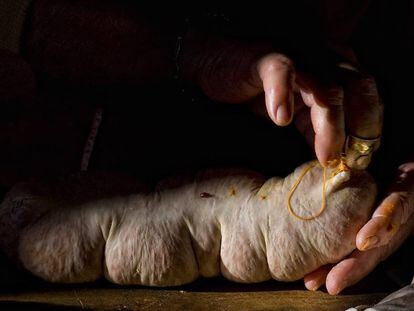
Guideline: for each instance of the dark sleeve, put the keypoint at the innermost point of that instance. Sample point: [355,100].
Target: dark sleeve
[12,18]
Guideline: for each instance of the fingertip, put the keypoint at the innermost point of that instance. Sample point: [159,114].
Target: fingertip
[328,145]
[322,158]
[326,155]
[363,234]
[381,228]
[369,243]
[334,290]
[317,278]
[333,285]
[360,241]
[312,285]
[321,153]
[277,73]
[350,271]
[342,275]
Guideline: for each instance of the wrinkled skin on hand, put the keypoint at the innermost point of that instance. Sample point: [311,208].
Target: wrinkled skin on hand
[233,223]
[326,103]
[390,225]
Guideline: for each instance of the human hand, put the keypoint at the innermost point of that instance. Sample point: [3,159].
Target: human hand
[324,113]
[391,223]
[234,73]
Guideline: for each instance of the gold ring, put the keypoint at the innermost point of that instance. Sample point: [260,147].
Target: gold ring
[358,151]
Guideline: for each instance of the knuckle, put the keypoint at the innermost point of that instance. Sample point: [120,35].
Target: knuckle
[286,61]
[279,62]
[366,86]
[335,96]
[369,86]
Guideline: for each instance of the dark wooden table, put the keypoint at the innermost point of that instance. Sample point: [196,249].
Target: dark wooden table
[204,294]
[81,298]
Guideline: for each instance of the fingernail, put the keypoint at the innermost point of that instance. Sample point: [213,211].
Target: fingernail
[312,285]
[336,291]
[370,242]
[282,115]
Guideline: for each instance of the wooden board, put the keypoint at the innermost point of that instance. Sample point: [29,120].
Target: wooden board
[203,295]
[151,299]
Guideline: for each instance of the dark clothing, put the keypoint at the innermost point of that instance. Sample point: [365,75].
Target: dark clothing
[12,17]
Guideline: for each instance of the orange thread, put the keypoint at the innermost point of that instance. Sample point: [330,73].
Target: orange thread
[340,168]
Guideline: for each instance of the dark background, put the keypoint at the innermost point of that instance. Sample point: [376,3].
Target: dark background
[167,127]
[155,130]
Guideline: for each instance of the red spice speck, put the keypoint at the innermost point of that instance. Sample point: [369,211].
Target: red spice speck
[205,195]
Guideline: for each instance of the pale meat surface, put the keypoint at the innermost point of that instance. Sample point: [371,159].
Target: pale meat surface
[234,223]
